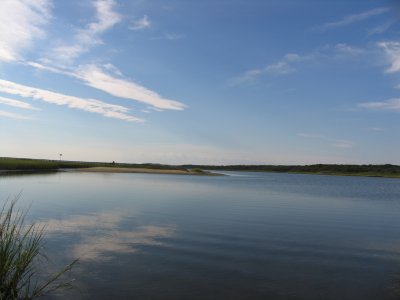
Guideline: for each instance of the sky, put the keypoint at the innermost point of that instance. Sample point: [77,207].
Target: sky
[202,82]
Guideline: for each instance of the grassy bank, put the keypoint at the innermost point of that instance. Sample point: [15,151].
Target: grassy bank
[10,163]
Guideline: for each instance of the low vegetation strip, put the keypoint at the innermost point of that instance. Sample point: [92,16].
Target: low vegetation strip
[7,163]
[25,164]
[386,170]
[10,163]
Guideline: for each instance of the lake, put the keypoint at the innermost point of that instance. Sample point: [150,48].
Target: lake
[242,236]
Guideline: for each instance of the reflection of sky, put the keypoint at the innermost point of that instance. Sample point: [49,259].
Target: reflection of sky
[99,235]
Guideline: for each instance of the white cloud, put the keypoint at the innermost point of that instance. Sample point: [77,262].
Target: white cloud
[22,22]
[141,24]
[10,115]
[389,105]
[16,103]
[89,37]
[96,77]
[350,19]
[392,51]
[106,16]
[90,105]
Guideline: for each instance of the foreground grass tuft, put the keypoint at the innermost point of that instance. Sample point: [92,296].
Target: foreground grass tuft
[20,249]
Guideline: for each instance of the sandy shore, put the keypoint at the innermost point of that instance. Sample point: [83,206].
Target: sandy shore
[143,170]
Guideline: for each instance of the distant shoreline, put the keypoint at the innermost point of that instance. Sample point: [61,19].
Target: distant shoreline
[11,165]
[145,171]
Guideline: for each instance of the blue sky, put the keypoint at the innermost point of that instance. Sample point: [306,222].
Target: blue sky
[207,82]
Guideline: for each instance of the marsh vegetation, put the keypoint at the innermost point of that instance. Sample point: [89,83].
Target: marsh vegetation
[21,256]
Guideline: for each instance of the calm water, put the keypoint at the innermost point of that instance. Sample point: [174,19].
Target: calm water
[247,236]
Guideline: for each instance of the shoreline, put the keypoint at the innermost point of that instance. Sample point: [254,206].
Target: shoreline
[145,171]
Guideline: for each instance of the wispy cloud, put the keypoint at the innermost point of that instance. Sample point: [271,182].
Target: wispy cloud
[392,52]
[169,36]
[89,105]
[16,103]
[141,24]
[40,66]
[99,78]
[247,77]
[284,66]
[388,105]
[10,115]
[347,49]
[343,144]
[312,136]
[287,63]
[381,28]
[375,129]
[22,22]
[292,62]
[354,18]
[337,143]
[89,37]
[109,79]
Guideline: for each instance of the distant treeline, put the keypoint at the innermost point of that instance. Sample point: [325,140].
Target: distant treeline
[371,170]
[8,163]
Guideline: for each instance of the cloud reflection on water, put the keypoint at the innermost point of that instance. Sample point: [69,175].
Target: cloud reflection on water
[99,236]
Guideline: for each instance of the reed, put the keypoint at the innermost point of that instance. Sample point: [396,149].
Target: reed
[20,254]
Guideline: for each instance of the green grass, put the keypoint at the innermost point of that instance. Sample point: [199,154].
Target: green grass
[27,164]
[20,250]
[36,164]
[18,164]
